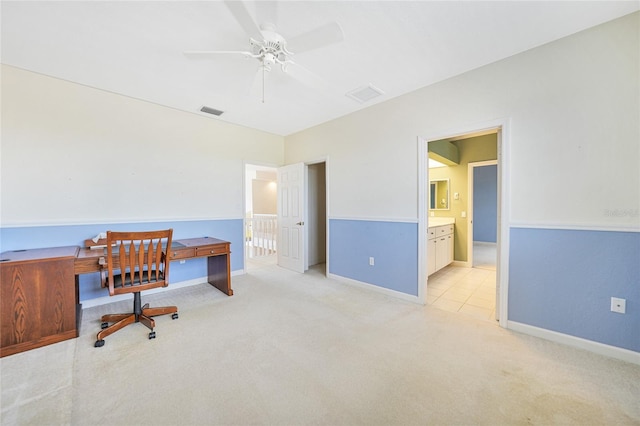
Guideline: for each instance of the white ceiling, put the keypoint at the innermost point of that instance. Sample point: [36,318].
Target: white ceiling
[134,48]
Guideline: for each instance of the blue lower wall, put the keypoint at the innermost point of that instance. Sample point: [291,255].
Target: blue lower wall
[74,235]
[560,280]
[563,280]
[393,245]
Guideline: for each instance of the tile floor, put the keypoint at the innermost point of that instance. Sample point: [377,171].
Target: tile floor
[470,291]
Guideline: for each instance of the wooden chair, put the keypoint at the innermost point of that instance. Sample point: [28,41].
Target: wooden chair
[136,261]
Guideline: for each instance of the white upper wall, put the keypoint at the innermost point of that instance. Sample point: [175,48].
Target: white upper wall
[573,107]
[69,151]
[72,154]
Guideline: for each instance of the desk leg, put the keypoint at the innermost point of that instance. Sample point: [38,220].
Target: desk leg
[219,272]
[78,306]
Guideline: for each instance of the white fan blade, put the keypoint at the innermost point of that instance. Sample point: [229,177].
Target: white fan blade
[244,19]
[314,39]
[267,12]
[210,54]
[305,76]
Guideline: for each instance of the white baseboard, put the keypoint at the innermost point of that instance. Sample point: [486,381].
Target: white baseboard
[172,286]
[372,287]
[577,342]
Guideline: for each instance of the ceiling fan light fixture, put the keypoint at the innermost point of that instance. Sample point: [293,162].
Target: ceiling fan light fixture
[213,111]
[365,93]
[270,48]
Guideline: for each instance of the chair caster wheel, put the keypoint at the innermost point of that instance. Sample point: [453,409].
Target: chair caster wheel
[104,325]
[99,343]
[174,316]
[152,335]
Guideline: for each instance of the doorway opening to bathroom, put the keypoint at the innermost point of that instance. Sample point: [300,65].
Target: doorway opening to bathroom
[458,275]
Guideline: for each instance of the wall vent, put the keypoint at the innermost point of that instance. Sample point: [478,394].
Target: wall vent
[211,110]
[365,94]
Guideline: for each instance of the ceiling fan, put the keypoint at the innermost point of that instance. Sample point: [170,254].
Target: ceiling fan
[270,48]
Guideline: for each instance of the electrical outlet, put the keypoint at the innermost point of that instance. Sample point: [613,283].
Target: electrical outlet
[372,261]
[182,261]
[618,305]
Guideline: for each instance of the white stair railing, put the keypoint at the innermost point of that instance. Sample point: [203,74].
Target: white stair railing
[260,235]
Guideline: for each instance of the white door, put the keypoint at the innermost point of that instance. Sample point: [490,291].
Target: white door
[291,217]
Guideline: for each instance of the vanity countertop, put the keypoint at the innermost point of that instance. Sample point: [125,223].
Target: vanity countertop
[439,221]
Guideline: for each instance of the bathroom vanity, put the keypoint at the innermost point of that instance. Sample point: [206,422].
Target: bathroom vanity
[440,243]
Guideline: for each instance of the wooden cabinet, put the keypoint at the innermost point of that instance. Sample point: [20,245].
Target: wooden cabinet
[439,247]
[40,303]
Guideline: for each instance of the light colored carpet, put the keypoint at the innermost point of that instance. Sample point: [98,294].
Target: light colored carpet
[294,349]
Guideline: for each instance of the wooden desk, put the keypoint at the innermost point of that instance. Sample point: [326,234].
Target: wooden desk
[216,251]
[39,298]
[40,293]
[218,254]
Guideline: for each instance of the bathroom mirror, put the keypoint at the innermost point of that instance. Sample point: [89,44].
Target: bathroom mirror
[439,194]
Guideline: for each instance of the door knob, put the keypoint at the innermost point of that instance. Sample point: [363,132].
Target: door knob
[300,223]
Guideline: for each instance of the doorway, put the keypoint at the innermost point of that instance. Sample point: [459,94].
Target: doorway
[317,218]
[260,219]
[462,214]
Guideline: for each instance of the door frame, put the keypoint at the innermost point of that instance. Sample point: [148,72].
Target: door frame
[470,168]
[502,126]
[305,196]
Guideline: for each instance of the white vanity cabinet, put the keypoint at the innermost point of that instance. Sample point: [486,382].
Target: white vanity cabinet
[439,247]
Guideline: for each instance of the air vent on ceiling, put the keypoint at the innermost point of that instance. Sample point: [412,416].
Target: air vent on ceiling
[365,94]
[211,110]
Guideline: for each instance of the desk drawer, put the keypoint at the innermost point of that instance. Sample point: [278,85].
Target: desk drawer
[210,250]
[86,265]
[181,254]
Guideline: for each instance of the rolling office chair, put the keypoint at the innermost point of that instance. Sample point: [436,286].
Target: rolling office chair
[136,262]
